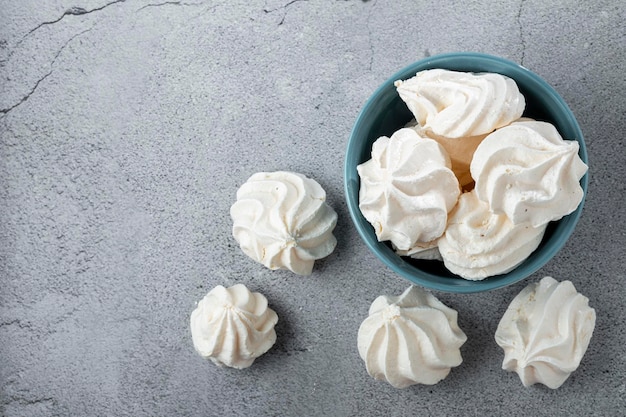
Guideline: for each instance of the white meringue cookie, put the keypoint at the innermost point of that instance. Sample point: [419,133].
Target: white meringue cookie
[410,339]
[281,219]
[233,326]
[478,243]
[460,104]
[407,189]
[545,332]
[528,172]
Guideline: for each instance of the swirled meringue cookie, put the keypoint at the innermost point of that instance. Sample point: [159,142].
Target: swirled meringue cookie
[460,104]
[407,189]
[410,339]
[281,219]
[528,172]
[545,332]
[233,326]
[478,243]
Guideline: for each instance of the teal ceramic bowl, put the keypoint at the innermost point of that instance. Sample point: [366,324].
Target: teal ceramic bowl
[385,112]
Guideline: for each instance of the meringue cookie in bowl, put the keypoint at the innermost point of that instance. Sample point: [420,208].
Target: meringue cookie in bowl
[233,326]
[410,339]
[545,332]
[528,172]
[461,104]
[281,219]
[478,243]
[407,189]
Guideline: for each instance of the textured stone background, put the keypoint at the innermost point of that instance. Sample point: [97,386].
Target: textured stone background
[126,128]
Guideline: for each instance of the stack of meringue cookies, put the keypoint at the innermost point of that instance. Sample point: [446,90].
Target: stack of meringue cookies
[469,182]
[469,135]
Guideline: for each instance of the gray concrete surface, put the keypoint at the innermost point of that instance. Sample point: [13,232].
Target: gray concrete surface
[126,128]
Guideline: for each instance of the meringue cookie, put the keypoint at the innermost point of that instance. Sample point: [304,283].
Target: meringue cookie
[407,189]
[281,219]
[478,243]
[545,332]
[410,339]
[528,172]
[460,104]
[233,326]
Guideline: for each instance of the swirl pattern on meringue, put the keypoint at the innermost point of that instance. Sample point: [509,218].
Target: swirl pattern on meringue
[478,243]
[460,104]
[545,332]
[233,326]
[410,339]
[407,189]
[528,172]
[281,219]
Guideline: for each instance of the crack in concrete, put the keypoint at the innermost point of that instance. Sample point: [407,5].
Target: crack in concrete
[5,111]
[521,31]
[27,96]
[369,36]
[208,9]
[72,11]
[283,8]
[168,3]
[27,401]
[14,322]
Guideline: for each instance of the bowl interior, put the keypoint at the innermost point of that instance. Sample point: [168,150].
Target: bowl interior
[385,112]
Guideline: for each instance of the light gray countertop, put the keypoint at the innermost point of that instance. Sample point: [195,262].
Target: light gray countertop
[125,130]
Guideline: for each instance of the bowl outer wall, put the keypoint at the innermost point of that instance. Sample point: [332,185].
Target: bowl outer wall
[543,103]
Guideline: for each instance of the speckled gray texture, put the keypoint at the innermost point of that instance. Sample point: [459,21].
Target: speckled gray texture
[126,128]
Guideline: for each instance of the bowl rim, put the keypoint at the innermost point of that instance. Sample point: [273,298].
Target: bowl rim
[383,252]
